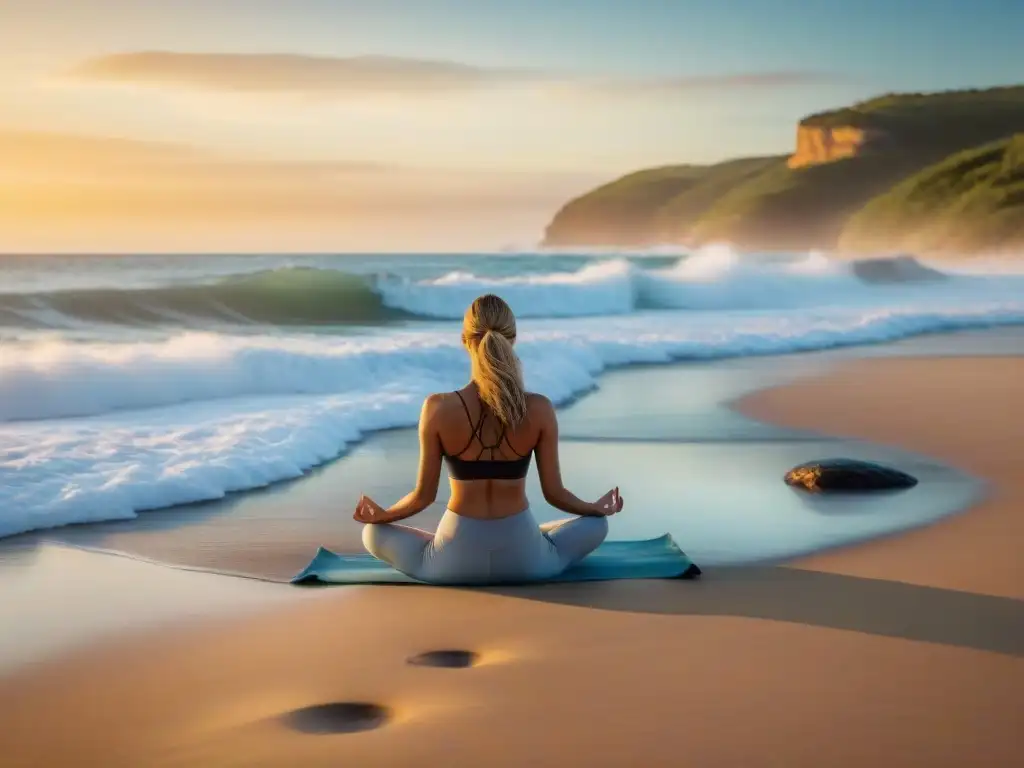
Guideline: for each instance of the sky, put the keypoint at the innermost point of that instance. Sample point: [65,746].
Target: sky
[332,125]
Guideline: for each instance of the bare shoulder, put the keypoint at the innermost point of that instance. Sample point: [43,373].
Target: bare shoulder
[436,400]
[539,407]
[435,404]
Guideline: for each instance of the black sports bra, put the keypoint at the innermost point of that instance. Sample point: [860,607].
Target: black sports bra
[485,469]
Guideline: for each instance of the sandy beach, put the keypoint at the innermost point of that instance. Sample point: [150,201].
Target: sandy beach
[254,254]
[903,651]
[960,412]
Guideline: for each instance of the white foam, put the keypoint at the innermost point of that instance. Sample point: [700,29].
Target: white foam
[604,288]
[716,277]
[719,279]
[199,415]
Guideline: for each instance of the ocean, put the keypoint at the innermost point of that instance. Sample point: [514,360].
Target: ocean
[139,383]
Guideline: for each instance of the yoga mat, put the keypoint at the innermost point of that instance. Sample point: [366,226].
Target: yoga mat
[658,558]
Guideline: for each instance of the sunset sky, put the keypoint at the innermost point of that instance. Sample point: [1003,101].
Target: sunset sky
[252,125]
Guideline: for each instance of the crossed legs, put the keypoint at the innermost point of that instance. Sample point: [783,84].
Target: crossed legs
[575,538]
[407,549]
[400,546]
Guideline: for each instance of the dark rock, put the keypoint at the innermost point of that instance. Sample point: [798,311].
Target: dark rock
[847,476]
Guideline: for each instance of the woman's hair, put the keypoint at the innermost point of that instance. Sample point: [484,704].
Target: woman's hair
[489,331]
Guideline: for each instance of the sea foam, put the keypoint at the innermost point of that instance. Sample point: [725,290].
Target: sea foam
[102,431]
[288,294]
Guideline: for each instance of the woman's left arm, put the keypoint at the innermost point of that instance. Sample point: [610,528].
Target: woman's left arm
[429,474]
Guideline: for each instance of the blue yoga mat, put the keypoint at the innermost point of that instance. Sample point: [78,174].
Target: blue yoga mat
[658,558]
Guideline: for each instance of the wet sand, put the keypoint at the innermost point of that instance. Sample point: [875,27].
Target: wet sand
[693,468]
[55,598]
[966,413]
[904,651]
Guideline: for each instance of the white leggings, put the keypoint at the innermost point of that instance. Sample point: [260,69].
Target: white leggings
[465,550]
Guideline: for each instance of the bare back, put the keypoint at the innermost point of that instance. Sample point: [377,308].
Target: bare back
[468,431]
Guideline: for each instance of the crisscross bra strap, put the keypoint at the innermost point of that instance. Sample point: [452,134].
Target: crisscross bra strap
[478,433]
[469,418]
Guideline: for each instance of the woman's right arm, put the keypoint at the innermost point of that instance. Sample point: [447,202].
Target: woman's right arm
[555,493]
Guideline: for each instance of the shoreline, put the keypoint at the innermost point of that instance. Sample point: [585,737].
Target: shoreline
[681,429]
[1000,336]
[900,651]
[983,447]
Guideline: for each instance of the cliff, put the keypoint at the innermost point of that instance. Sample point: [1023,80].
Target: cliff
[972,201]
[651,206]
[816,144]
[843,160]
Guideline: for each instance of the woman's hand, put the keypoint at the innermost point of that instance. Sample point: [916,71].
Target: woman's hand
[369,511]
[610,503]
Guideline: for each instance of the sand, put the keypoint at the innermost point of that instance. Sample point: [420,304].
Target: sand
[54,598]
[899,652]
[964,413]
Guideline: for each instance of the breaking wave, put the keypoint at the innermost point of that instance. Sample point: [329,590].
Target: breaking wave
[290,296]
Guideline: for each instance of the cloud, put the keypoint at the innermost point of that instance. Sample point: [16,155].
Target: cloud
[289,73]
[53,176]
[49,154]
[685,84]
[30,147]
[293,73]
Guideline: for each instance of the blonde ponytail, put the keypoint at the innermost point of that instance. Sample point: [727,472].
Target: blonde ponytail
[489,330]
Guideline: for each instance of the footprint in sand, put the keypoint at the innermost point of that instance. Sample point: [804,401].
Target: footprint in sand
[451,659]
[337,717]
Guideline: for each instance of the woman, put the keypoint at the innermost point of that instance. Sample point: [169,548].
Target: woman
[486,432]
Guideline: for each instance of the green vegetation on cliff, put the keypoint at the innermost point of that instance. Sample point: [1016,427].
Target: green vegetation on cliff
[762,203]
[929,114]
[799,208]
[972,201]
[645,207]
[673,220]
[946,121]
